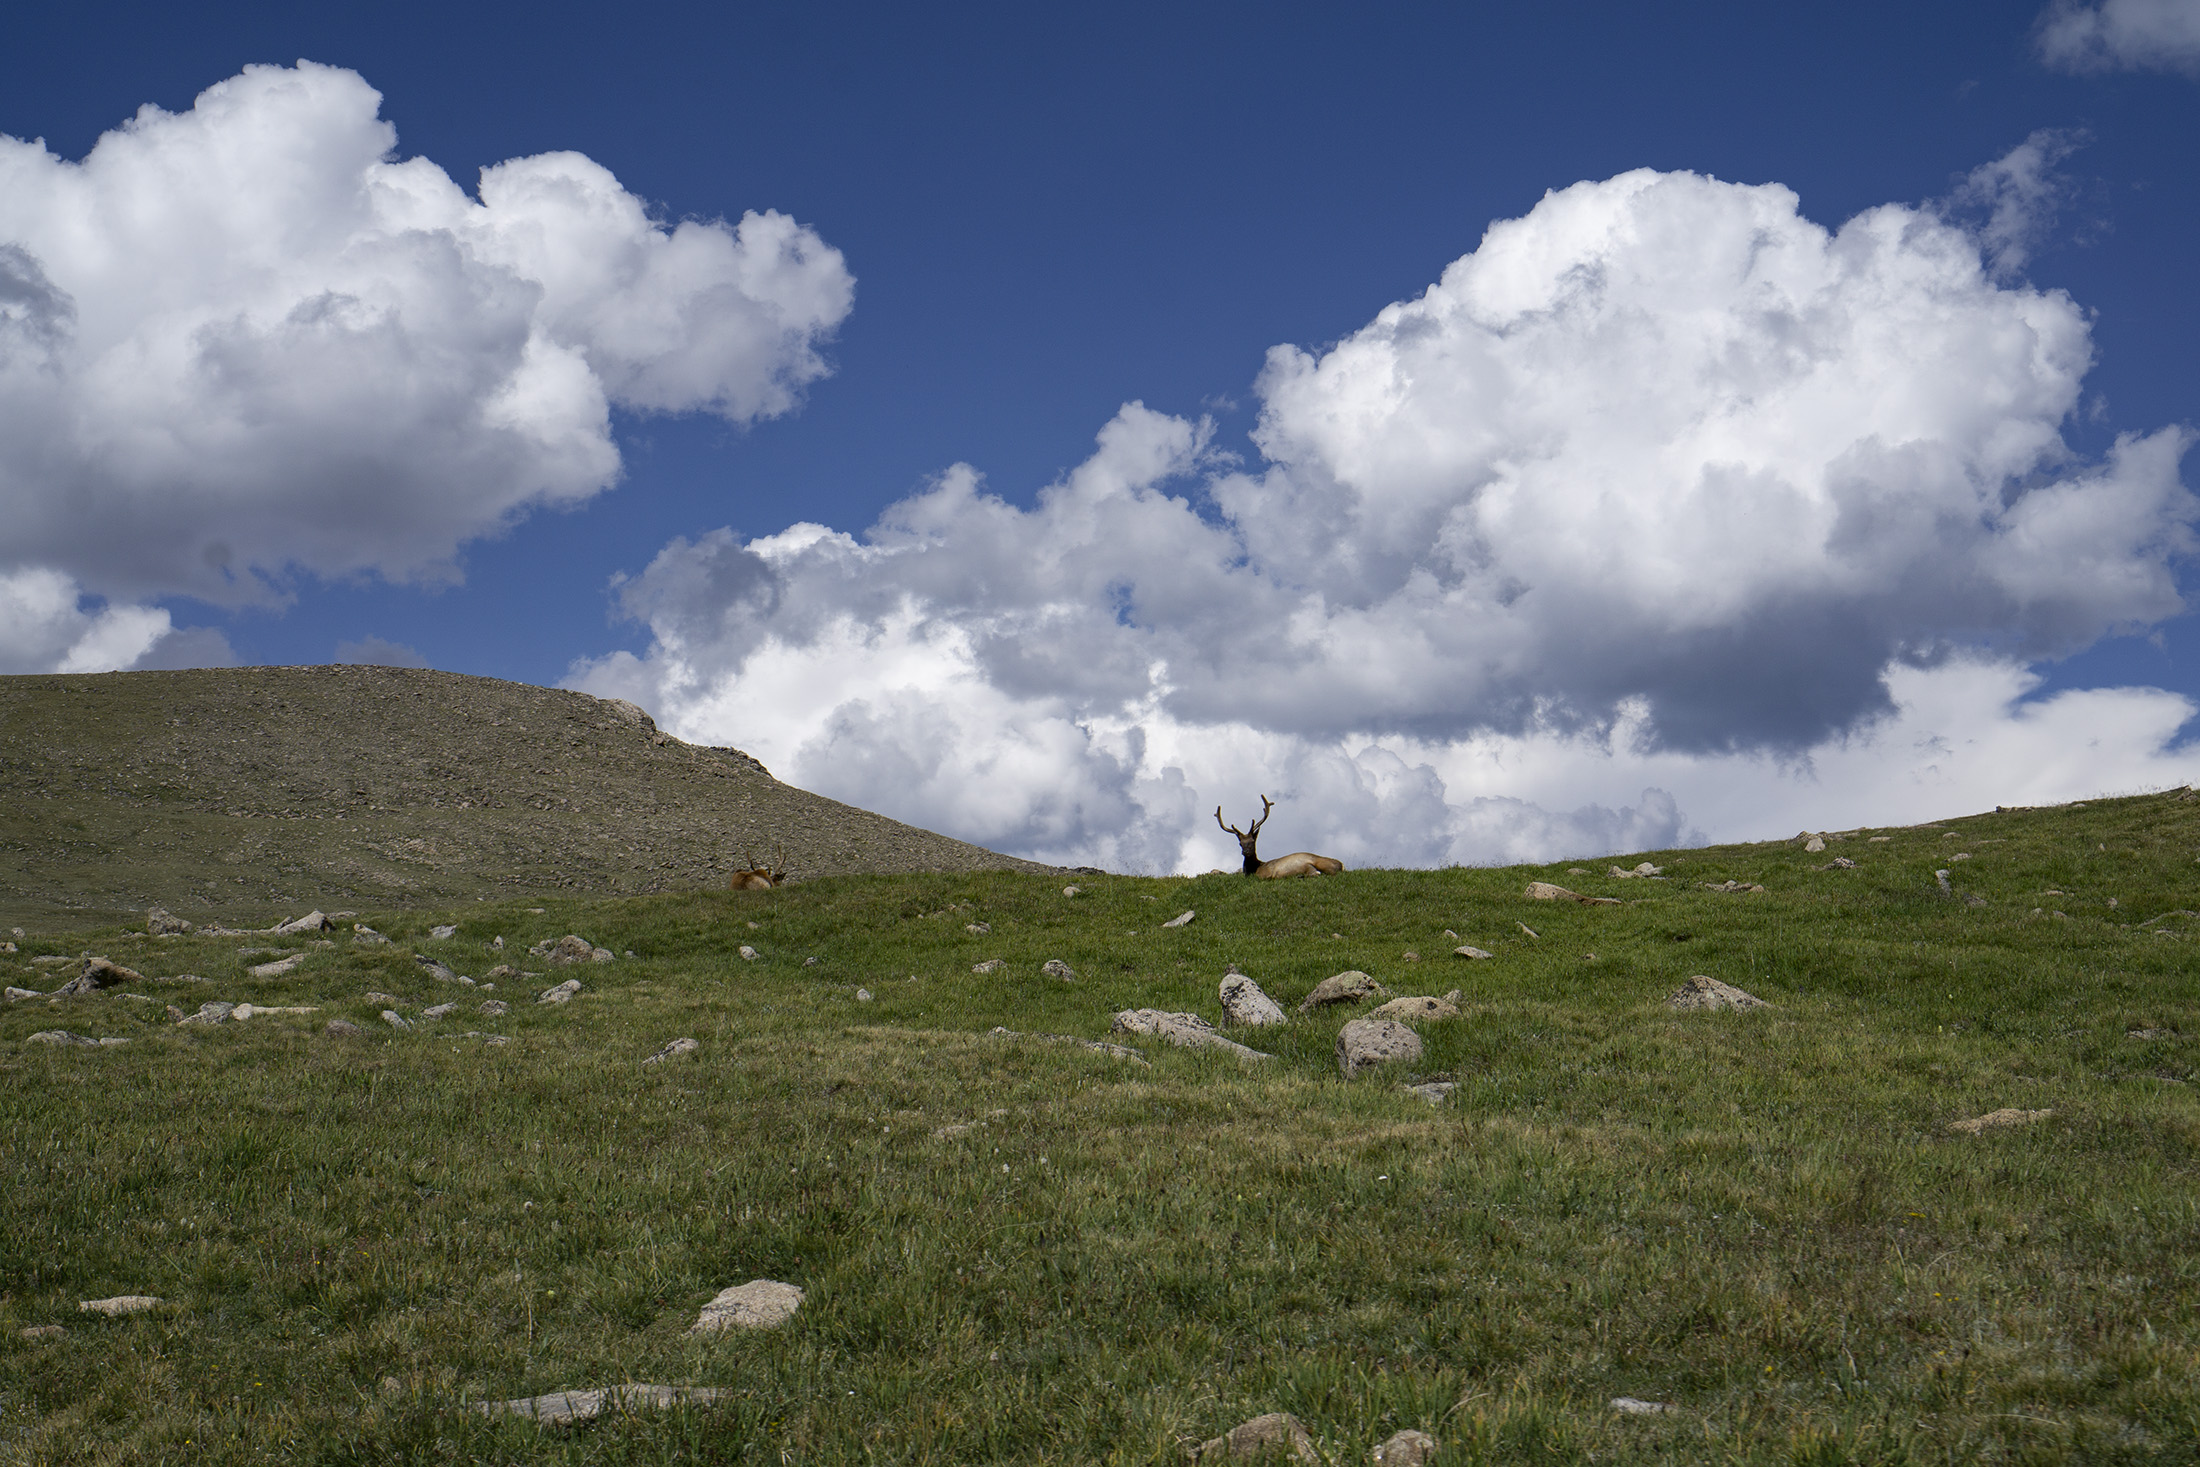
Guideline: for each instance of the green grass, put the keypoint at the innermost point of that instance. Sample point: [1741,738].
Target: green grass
[1760,1218]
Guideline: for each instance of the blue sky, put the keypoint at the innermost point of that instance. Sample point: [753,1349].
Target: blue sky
[1050,213]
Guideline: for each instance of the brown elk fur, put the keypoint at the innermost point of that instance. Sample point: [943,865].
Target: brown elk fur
[757,876]
[1298,863]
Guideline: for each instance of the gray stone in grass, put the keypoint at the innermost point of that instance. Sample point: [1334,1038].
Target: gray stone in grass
[1185,1031]
[1815,844]
[375,997]
[180,978]
[675,1048]
[1098,1046]
[43,1332]
[394,1019]
[990,965]
[315,921]
[757,1304]
[563,993]
[1056,968]
[1350,986]
[1629,1406]
[212,1013]
[1276,1434]
[1435,1092]
[436,970]
[163,923]
[438,1011]
[1470,952]
[440,933]
[495,1006]
[748,954]
[120,1305]
[1422,1008]
[64,1037]
[1244,1003]
[560,1408]
[1702,993]
[21,993]
[863,995]
[1996,1119]
[96,974]
[277,968]
[977,929]
[341,1029]
[365,936]
[1181,919]
[489,1039]
[1407,1448]
[1942,878]
[1364,1044]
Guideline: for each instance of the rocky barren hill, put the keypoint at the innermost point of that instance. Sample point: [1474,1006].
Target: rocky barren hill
[246,791]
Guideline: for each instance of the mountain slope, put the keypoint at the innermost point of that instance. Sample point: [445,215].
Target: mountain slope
[262,789]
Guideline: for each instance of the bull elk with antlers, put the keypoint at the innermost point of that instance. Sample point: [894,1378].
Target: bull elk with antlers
[1298,863]
[758,876]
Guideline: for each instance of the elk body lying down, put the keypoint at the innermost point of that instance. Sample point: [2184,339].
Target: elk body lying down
[759,877]
[1298,863]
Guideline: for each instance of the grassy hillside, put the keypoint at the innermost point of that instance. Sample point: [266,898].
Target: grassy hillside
[250,790]
[1016,1251]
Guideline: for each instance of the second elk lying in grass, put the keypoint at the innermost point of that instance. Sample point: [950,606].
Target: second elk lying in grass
[1298,863]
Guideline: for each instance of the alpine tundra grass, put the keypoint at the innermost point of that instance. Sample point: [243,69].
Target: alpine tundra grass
[1017,1251]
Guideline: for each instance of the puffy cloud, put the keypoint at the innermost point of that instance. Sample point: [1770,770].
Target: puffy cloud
[2010,204]
[2137,35]
[45,626]
[1663,477]
[248,337]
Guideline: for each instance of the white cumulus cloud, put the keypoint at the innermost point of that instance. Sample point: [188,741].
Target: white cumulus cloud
[2136,35]
[1662,471]
[249,339]
[46,625]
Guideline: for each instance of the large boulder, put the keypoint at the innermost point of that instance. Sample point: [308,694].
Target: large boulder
[1351,986]
[757,1304]
[1244,1003]
[163,923]
[97,973]
[1365,1044]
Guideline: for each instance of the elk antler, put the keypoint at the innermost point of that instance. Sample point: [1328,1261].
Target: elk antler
[1267,807]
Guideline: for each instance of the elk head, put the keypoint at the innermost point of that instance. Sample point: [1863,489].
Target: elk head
[760,876]
[1298,863]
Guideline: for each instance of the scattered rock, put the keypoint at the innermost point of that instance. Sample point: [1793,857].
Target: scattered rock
[1701,992]
[493,1007]
[1098,1046]
[1412,957]
[120,1305]
[1424,1008]
[569,949]
[96,974]
[245,1011]
[1408,1448]
[63,1036]
[1839,863]
[43,1332]
[1731,886]
[1942,878]
[1995,1120]
[2150,1033]
[394,1019]
[310,922]
[1544,891]
[676,1047]
[1070,891]
[863,995]
[1181,919]
[563,993]
[438,1011]
[561,1407]
[440,933]
[389,998]
[757,1304]
[502,970]
[277,968]
[212,1013]
[436,970]
[977,929]
[1815,844]
[163,923]
[1056,968]
[1185,1031]
[748,954]
[341,1029]
[1277,1433]
[1244,1003]
[1645,869]
[1363,1044]
[1629,1406]
[1435,1092]
[990,965]
[1974,900]
[1470,952]
[1350,986]
[365,936]
[16,993]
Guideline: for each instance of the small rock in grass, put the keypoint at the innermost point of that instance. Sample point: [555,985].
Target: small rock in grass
[96,974]
[1070,891]
[1701,992]
[438,1011]
[495,1006]
[811,962]
[1544,891]
[1629,1406]
[277,968]
[1995,1120]
[1941,877]
[212,1013]
[1423,1007]
[1412,957]
[1468,951]
[1363,1044]
[1408,1448]
[1244,1003]
[1974,900]
[1056,968]
[1644,870]
[1815,844]
[176,1015]
[978,929]
[388,998]
[863,995]
[365,936]
[1181,919]
[18,993]
[1276,1434]
[563,993]
[64,1037]
[439,933]
[1350,986]
[436,970]
[502,970]
[1435,1092]
[1839,863]
[394,1019]
[676,1047]
[163,923]
[757,1304]
[310,922]
[990,965]
[120,1305]
[341,1029]
[562,1407]
[1186,1031]
[44,1332]
[748,954]
[1733,887]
